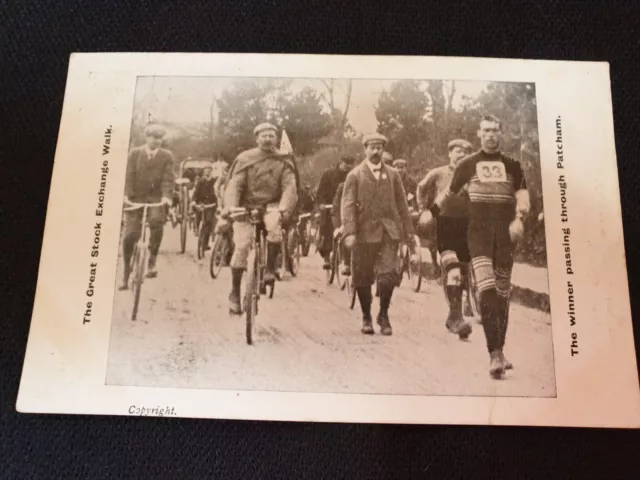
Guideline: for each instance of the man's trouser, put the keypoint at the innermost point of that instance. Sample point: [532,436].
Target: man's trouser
[208,223]
[243,236]
[326,232]
[133,229]
[373,261]
[492,259]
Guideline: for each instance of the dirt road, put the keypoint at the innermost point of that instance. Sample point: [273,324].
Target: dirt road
[309,340]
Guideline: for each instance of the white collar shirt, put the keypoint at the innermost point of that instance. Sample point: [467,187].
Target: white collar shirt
[375,169]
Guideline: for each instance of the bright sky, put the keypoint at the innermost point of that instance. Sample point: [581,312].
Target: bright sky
[188,99]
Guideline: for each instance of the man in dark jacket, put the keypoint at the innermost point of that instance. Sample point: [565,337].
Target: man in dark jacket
[149,179]
[375,218]
[326,191]
[204,194]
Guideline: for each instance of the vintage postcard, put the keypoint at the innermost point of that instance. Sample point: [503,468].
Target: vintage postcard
[334,239]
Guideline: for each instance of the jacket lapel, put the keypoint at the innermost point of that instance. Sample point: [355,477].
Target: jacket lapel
[368,173]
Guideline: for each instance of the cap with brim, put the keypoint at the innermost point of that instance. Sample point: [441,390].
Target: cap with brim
[154,131]
[264,127]
[399,161]
[348,159]
[374,138]
[458,142]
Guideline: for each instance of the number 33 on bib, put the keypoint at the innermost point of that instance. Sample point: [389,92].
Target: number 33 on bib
[488,171]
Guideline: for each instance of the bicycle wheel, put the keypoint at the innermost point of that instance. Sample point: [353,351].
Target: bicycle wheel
[185,221]
[331,271]
[201,244]
[218,252]
[306,243]
[415,268]
[140,257]
[251,294]
[351,283]
[400,268]
[293,251]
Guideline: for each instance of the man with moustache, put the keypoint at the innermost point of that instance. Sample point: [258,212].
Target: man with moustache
[451,232]
[326,192]
[375,218]
[260,177]
[498,202]
[149,179]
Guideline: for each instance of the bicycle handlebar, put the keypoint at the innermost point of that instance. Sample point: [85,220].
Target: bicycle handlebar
[203,206]
[136,206]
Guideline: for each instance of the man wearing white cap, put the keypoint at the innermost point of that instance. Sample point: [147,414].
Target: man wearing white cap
[259,177]
[149,179]
[375,218]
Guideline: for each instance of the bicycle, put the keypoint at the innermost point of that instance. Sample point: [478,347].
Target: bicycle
[413,268]
[202,231]
[291,251]
[138,261]
[256,263]
[305,244]
[219,252]
[183,216]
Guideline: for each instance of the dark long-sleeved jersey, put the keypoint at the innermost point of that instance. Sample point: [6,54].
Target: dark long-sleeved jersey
[492,180]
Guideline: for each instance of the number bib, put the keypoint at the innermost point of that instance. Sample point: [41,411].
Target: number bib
[491,171]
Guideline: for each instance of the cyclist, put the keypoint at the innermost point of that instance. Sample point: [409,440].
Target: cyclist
[204,194]
[451,227]
[259,177]
[338,230]
[326,191]
[149,179]
[498,201]
[306,203]
[387,159]
[375,218]
[223,227]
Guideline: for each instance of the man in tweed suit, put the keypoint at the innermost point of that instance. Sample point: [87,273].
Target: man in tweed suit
[375,218]
[149,179]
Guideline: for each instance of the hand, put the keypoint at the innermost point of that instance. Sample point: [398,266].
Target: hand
[337,232]
[224,213]
[193,204]
[166,200]
[126,200]
[516,230]
[350,241]
[426,224]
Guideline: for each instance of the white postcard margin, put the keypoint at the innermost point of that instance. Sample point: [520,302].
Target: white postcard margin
[65,362]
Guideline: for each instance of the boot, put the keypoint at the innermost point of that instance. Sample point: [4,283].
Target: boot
[367,325]
[124,284]
[503,309]
[273,250]
[385,288]
[497,364]
[235,306]
[152,270]
[364,295]
[385,324]
[455,321]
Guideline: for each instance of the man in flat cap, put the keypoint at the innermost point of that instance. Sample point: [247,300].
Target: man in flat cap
[326,192]
[260,177]
[451,227]
[149,179]
[409,184]
[375,218]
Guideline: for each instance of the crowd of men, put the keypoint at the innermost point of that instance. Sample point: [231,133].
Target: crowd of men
[473,207]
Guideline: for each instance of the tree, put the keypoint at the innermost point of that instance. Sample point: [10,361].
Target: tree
[401,116]
[341,127]
[305,120]
[240,109]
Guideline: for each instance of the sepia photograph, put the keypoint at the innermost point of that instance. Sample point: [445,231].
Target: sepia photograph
[334,239]
[333,235]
